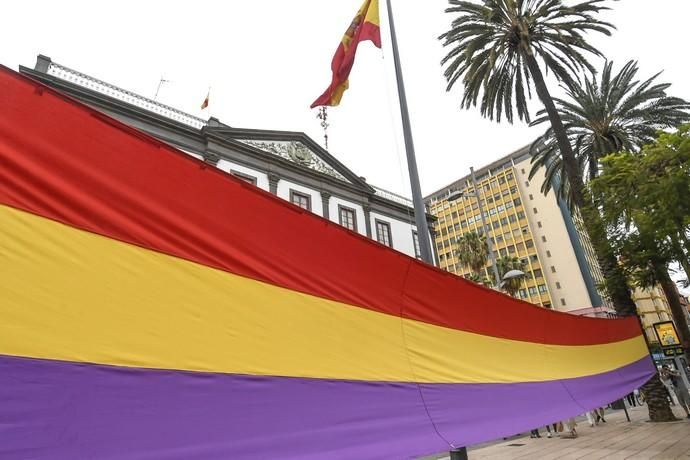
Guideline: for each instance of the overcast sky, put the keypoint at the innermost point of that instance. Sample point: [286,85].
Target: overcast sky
[266,61]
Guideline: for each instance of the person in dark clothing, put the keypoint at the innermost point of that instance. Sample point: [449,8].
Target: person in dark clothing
[631,399]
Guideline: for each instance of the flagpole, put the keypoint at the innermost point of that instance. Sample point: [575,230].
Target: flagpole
[419,208]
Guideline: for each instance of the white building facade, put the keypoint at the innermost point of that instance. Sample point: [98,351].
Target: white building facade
[288,164]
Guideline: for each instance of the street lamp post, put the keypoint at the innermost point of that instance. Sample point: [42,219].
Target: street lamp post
[492,256]
[461,453]
[510,274]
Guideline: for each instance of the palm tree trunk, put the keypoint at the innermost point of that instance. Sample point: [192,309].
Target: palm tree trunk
[616,281]
[657,401]
[686,244]
[681,256]
[572,169]
[676,311]
[684,238]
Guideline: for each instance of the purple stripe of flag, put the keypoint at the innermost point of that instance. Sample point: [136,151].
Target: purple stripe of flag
[62,410]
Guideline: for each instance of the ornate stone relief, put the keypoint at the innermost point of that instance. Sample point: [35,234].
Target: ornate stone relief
[297,153]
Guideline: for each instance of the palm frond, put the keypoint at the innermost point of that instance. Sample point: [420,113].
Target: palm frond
[604,114]
[489,40]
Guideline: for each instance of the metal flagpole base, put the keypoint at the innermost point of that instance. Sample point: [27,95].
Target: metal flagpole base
[459,453]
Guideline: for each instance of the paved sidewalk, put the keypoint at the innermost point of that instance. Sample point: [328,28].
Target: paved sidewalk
[616,439]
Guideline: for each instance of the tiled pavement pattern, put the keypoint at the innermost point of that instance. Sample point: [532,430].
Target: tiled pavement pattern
[616,439]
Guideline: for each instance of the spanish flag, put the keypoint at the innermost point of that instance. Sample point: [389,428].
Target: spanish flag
[365,26]
[150,307]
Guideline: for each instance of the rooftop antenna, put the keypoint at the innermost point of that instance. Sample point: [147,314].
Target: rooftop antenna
[160,83]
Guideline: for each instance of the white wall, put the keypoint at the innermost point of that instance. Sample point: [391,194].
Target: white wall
[401,233]
[335,216]
[261,178]
[284,188]
[573,288]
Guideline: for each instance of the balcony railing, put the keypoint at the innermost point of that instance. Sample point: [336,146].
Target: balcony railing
[393,197]
[94,84]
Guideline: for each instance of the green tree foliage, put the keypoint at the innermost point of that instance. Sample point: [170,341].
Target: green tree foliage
[498,49]
[472,251]
[645,200]
[479,279]
[495,43]
[651,189]
[506,264]
[604,115]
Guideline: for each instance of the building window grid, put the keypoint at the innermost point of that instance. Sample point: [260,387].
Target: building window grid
[485,190]
[347,217]
[300,199]
[383,233]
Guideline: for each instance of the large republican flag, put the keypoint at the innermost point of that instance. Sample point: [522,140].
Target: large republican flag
[364,26]
[152,306]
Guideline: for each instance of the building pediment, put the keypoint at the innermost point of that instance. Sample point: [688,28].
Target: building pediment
[296,152]
[295,147]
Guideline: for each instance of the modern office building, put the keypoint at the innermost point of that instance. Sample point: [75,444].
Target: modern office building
[652,307]
[288,164]
[561,271]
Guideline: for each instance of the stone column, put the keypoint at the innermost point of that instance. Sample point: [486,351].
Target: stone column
[325,199]
[367,219]
[273,180]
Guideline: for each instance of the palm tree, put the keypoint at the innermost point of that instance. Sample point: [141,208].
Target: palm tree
[603,116]
[479,279]
[497,49]
[506,264]
[472,251]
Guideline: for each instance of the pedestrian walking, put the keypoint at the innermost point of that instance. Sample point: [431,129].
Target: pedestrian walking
[549,432]
[668,385]
[569,430]
[674,381]
[592,418]
[599,415]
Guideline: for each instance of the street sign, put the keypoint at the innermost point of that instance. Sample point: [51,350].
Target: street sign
[676,351]
[667,334]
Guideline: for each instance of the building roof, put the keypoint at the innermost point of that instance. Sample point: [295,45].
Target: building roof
[295,147]
[498,165]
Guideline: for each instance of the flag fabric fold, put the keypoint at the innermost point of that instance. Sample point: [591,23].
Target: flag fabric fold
[141,319]
[365,26]
[204,104]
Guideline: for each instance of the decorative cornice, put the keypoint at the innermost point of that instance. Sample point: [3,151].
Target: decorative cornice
[297,153]
[243,135]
